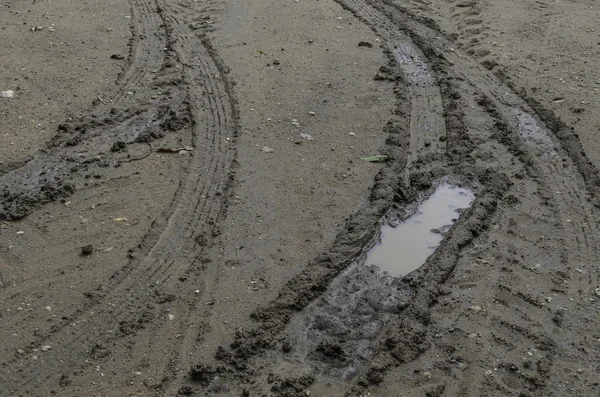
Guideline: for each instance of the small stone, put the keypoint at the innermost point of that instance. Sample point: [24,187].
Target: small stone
[117,56]
[460,365]
[476,309]
[268,149]
[87,249]
[286,347]
[276,62]
[171,317]
[45,348]
[365,44]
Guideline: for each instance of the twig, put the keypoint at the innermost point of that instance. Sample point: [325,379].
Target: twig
[159,150]
[138,158]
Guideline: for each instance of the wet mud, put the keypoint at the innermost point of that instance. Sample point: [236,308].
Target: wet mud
[486,307]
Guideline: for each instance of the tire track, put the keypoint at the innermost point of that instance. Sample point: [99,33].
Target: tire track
[201,64]
[524,148]
[569,209]
[145,61]
[196,208]
[427,125]
[148,43]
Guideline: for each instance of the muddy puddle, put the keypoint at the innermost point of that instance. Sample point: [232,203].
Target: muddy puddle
[337,333]
[407,246]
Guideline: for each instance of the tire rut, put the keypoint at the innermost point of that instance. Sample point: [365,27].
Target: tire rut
[46,175]
[190,225]
[517,164]
[570,209]
[148,42]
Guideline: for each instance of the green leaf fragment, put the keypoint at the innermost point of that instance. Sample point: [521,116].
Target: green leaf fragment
[375,159]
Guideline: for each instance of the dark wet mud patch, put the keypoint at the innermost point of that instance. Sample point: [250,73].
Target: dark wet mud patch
[337,334]
[83,151]
[405,246]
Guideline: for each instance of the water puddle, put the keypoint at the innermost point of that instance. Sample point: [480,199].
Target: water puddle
[406,247]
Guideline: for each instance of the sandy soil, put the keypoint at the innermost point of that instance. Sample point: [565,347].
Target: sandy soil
[184,210]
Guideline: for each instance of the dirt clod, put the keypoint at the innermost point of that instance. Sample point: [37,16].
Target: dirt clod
[87,249]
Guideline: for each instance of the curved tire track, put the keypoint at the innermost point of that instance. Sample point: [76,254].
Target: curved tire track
[551,189]
[563,203]
[172,247]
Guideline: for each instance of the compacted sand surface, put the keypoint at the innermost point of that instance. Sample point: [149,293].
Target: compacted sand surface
[184,209]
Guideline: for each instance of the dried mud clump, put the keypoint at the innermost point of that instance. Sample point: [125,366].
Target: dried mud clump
[204,374]
[331,351]
[171,120]
[15,206]
[292,387]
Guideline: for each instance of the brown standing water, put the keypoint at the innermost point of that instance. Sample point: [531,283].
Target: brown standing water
[406,247]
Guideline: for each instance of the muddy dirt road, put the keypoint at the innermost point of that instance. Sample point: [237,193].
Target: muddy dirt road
[184,209]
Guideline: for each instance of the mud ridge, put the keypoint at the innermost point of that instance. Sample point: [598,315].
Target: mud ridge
[569,140]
